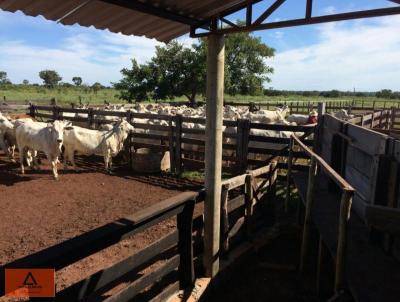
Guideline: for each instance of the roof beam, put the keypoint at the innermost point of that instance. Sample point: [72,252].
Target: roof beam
[308,21]
[309,9]
[269,11]
[149,9]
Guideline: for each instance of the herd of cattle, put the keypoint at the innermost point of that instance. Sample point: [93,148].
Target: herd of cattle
[108,138]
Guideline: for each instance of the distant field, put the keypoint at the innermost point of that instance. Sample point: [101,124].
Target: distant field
[65,96]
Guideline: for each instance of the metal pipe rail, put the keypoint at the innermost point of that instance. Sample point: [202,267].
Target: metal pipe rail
[344,214]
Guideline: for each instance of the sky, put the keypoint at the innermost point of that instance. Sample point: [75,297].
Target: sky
[361,54]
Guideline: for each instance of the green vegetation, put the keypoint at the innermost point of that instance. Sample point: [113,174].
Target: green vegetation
[178,71]
[66,95]
[50,78]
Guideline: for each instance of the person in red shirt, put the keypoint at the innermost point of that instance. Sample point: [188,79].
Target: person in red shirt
[313,118]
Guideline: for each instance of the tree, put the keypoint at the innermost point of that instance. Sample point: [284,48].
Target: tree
[176,70]
[50,78]
[25,82]
[246,69]
[77,81]
[136,83]
[96,87]
[3,78]
[384,93]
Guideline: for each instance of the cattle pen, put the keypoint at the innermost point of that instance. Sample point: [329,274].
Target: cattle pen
[353,173]
[360,155]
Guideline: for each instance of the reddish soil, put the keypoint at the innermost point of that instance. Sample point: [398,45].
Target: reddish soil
[38,212]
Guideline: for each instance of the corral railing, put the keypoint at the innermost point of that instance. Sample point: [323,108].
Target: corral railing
[316,164]
[241,148]
[178,243]
[243,212]
[305,107]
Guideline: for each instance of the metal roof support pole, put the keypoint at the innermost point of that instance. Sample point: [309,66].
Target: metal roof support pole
[214,116]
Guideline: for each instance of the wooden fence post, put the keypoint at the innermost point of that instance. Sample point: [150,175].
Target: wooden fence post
[345,206]
[324,270]
[91,118]
[224,220]
[171,145]
[249,197]
[32,110]
[242,145]
[56,113]
[392,117]
[185,246]
[178,144]
[289,174]
[372,119]
[307,219]
[129,118]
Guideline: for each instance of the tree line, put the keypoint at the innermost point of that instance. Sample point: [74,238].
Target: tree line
[384,93]
[52,79]
[177,71]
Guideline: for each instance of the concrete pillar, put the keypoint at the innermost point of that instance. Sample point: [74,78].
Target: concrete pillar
[213,157]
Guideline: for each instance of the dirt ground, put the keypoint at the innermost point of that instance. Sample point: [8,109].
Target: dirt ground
[38,212]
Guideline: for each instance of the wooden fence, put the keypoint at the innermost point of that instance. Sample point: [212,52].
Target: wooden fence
[365,164]
[305,107]
[317,164]
[243,212]
[241,150]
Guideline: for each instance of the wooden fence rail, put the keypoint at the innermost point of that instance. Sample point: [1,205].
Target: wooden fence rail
[185,144]
[73,250]
[345,205]
[176,249]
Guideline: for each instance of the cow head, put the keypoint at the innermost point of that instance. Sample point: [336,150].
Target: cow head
[56,130]
[125,126]
[5,123]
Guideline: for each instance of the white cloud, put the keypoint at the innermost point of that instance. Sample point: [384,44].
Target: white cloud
[97,57]
[329,10]
[365,55]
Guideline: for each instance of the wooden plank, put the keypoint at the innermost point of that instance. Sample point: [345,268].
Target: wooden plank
[236,203]
[185,246]
[367,140]
[234,182]
[359,160]
[224,239]
[136,287]
[149,136]
[383,218]
[278,127]
[77,248]
[275,140]
[150,127]
[371,275]
[166,293]
[155,147]
[307,218]
[101,279]
[151,116]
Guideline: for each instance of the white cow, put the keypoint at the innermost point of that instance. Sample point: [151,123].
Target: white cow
[37,137]
[88,142]
[303,119]
[5,125]
[267,116]
[343,114]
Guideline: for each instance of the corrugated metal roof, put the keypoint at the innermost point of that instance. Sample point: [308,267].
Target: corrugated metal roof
[103,15]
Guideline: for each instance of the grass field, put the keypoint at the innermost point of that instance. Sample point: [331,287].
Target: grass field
[21,94]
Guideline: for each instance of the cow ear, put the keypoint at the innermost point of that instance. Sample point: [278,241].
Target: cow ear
[68,128]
